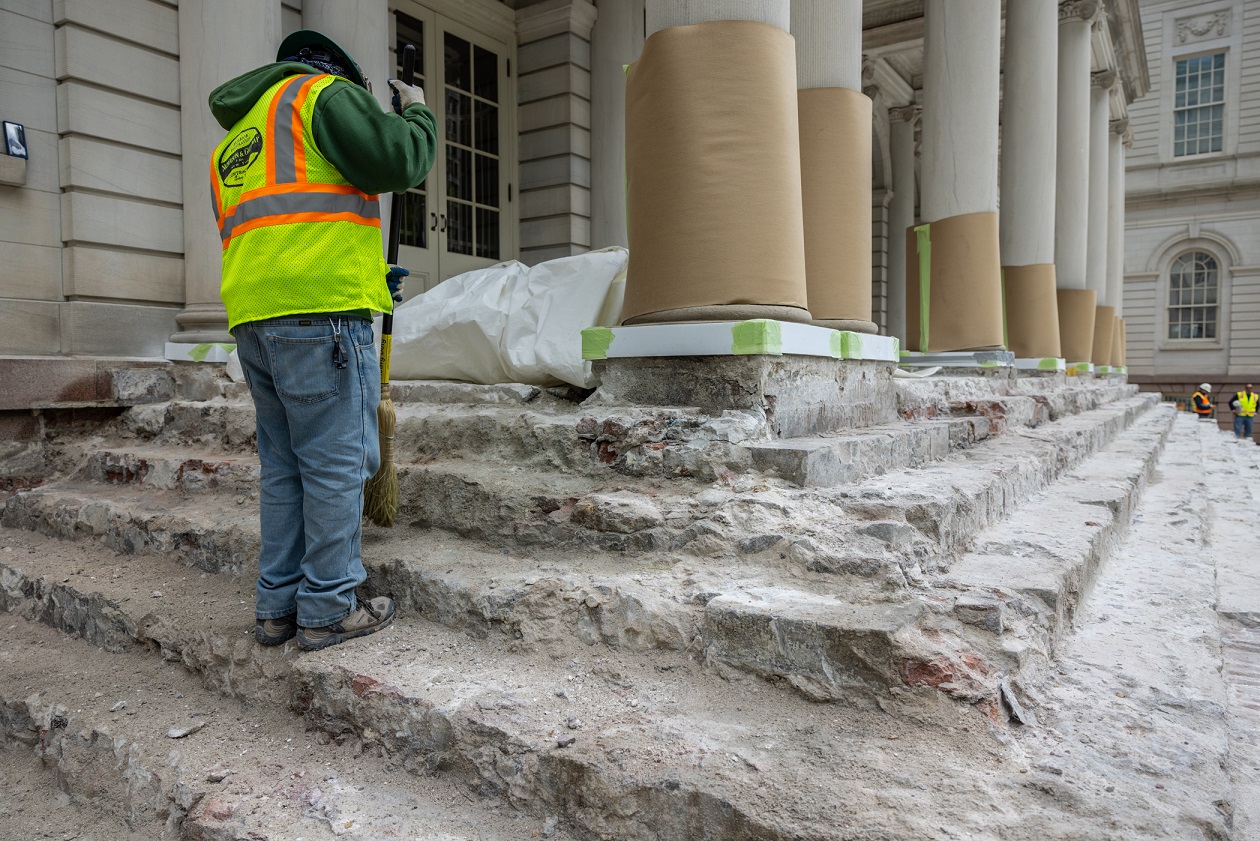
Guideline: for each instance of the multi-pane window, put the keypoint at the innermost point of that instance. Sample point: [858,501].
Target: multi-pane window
[1199,106]
[472,148]
[1193,287]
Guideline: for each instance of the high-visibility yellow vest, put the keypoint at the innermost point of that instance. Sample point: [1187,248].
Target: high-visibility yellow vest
[1247,404]
[297,237]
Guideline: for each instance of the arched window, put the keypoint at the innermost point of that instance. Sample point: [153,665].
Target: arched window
[1194,282]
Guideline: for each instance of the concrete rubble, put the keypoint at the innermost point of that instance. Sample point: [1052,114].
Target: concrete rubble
[777,614]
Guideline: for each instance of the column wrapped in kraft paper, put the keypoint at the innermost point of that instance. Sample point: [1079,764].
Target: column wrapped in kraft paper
[1104,323]
[955,262]
[1032,313]
[836,190]
[713,167]
[1076,324]
[1117,344]
[1124,343]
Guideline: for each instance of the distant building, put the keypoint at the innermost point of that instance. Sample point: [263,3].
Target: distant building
[1192,254]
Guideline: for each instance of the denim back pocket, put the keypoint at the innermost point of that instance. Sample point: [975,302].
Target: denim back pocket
[303,368]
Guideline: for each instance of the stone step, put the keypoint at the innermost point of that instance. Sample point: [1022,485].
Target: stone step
[614,745]
[107,723]
[769,614]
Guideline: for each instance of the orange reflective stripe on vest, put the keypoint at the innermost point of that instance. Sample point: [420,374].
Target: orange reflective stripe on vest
[1202,404]
[288,197]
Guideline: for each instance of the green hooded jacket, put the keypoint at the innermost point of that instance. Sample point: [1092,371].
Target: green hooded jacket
[376,151]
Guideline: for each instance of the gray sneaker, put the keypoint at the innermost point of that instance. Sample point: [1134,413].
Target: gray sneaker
[368,618]
[276,631]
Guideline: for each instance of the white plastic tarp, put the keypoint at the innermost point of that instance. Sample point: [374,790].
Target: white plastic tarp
[510,323]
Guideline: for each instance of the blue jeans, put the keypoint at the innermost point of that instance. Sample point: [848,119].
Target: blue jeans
[1242,426]
[317,442]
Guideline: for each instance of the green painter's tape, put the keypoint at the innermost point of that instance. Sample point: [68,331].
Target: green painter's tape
[595,342]
[837,344]
[896,347]
[760,337]
[198,353]
[852,344]
[989,364]
[1048,363]
[923,241]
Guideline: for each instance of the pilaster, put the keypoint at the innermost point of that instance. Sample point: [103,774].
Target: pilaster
[904,122]
[554,100]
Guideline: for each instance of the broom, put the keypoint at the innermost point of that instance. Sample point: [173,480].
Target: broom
[380,503]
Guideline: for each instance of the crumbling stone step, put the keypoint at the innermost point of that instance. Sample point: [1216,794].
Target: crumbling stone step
[142,744]
[615,746]
[1025,579]
[160,469]
[827,461]
[1009,403]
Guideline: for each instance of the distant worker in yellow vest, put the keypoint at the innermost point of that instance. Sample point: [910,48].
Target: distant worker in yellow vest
[295,185]
[1201,402]
[1244,406]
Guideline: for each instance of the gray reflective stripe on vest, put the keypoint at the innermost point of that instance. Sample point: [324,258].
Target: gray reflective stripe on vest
[289,203]
[282,132]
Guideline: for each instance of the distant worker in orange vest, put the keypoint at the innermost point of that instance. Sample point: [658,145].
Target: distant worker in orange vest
[1244,406]
[1202,403]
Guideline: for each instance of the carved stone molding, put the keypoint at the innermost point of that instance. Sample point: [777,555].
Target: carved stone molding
[1213,25]
[906,114]
[871,91]
[1120,127]
[1083,10]
[1104,79]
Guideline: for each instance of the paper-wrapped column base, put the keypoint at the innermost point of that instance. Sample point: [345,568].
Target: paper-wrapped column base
[1117,343]
[1032,313]
[954,284]
[836,191]
[1124,344]
[713,169]
[1076,324]
[1104,323]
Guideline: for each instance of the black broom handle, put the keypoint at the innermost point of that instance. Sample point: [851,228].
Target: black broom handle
[395,214]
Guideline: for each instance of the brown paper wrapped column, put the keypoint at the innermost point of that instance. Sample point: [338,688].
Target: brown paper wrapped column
[835,162]
[1028,167]
[1117,343]
[713,172]
[955,267]
[1104,324]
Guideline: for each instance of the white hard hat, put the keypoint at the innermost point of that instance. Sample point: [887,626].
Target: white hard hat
[1205,387]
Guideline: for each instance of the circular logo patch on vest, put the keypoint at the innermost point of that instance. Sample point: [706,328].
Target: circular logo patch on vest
[239,154]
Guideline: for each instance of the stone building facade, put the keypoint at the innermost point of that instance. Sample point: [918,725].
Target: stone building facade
[107,247]
[1192,253]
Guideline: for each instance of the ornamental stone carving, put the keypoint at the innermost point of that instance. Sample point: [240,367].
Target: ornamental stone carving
[905,114]
[1085,10]
[1104,79]
[1213,25]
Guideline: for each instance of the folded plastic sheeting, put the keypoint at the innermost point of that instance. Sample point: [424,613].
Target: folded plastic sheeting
[510,323]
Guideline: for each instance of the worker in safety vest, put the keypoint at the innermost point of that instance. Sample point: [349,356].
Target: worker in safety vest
[1244,406]
[295,183]
[1201,402]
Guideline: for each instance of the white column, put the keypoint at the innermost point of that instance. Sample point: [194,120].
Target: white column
[662,14]
[218,39]
[1029,110]
[900,213]
[361,27]
[828,37]
[1099,189]
[616,41]
[1071,219]
[960,107]
[1115,216]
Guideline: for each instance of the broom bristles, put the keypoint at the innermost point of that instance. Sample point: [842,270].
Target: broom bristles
[380,504]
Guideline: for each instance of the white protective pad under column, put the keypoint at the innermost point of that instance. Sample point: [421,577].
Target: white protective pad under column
[662,14]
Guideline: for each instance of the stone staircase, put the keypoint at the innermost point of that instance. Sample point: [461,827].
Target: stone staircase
[617,620]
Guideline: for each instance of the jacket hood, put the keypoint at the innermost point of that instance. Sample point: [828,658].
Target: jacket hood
[231,101]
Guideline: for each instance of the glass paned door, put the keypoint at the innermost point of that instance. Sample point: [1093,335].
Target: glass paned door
[418,231]
[474,176]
